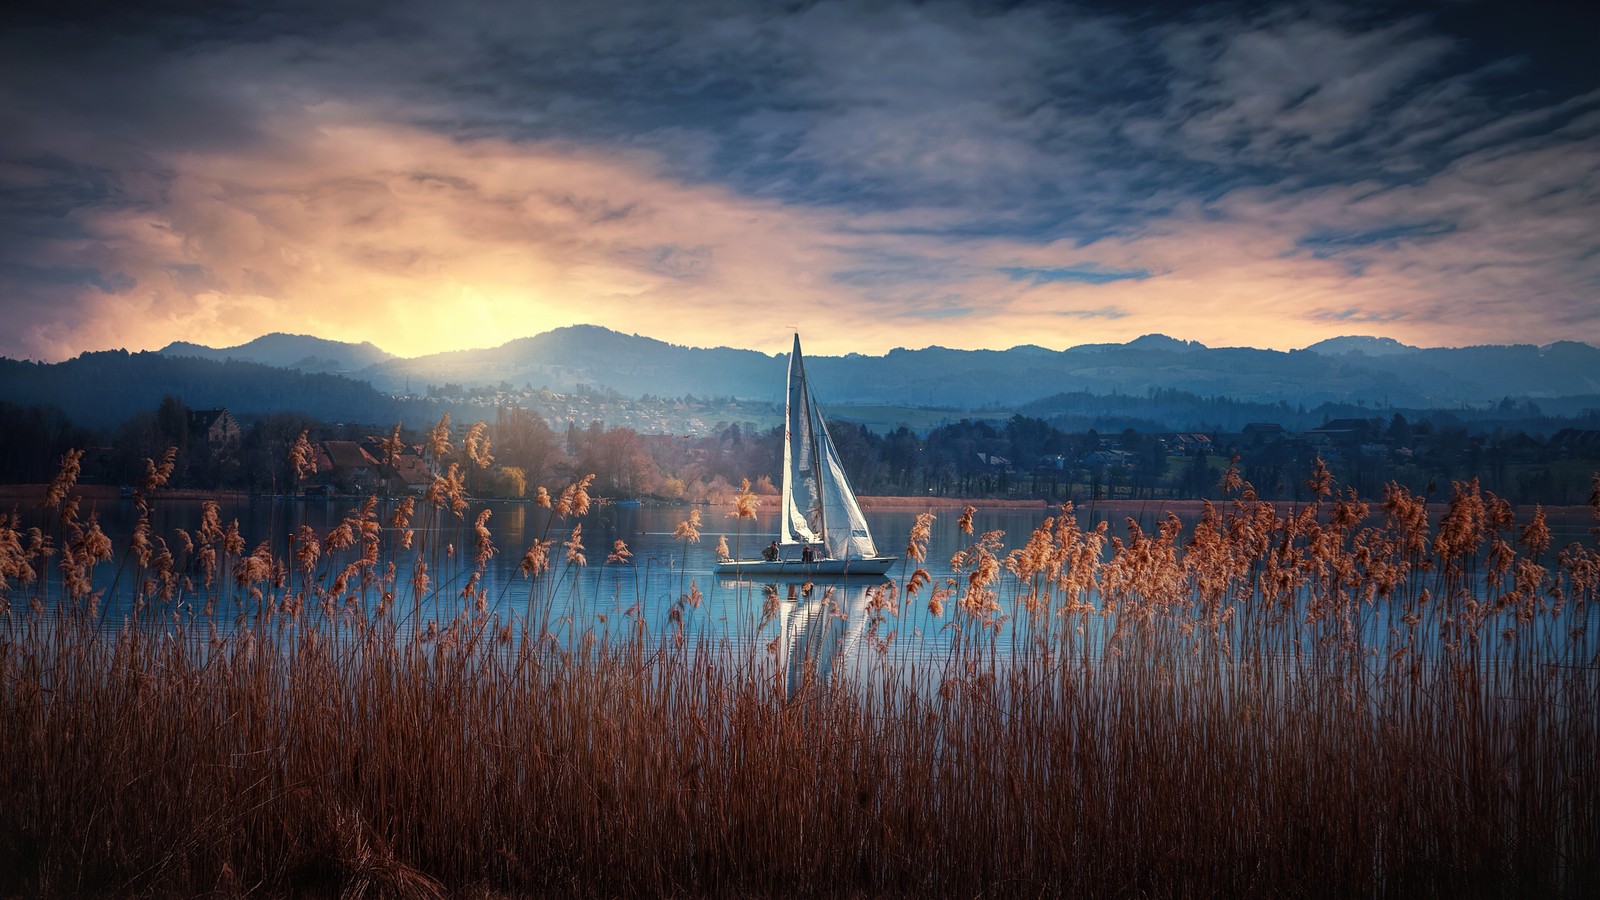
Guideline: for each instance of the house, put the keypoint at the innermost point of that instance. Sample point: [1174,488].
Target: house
[217,427]
[1520,447]
[1109,459]
[1053,462]
[1263,432]
[1576,443]
[345,466]
[409,474]
[373,445]
[1189,444]
[994,462]
[1349,432]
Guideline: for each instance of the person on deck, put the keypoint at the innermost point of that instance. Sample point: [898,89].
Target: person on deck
[771,553]
[807,555]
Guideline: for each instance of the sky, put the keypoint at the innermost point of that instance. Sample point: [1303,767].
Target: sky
[441,176]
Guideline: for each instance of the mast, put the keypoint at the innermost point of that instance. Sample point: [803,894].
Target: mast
[816,455]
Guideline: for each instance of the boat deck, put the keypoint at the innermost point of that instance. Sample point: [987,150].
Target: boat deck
[793,568]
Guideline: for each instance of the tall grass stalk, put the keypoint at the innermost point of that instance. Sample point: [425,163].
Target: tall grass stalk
[1336,700]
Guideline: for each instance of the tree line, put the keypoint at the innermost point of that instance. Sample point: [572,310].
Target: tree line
[1020,457]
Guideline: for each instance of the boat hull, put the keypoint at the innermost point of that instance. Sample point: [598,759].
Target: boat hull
[794,568]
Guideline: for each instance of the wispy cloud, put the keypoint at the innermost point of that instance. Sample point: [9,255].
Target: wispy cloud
[947,312]
[1329,241]
[951,173]
[1351,314]
[1086,274]
[1104,312]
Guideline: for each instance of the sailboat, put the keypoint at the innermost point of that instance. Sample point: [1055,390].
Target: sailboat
[818,509]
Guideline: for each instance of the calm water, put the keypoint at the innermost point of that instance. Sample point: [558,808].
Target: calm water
[604,598]
[661,570]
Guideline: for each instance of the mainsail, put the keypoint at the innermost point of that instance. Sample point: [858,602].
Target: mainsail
[818,505]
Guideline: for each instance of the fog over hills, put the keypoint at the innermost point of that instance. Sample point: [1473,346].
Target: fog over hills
[1375,370]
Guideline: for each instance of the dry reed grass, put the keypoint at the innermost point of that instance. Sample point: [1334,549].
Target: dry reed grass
[1271,704]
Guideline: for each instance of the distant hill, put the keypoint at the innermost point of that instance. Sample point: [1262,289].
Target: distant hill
[1370,346]
[290,351]
[1162,342]
[100,390]
[588,355]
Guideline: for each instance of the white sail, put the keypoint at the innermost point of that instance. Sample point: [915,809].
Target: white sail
[818,505]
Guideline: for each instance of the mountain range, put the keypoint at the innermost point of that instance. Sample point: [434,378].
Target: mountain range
[1375,370]
[358,382]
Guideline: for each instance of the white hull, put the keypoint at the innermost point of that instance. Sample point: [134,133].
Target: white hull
[794,568]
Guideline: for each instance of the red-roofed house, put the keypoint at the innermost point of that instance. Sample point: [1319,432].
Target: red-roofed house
[408,475]
[346,467]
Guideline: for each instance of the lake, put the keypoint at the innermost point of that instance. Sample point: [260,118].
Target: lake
[653,587]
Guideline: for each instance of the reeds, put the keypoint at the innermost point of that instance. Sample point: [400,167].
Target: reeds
[1318,701]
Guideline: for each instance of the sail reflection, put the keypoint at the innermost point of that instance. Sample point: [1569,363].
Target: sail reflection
[825,631]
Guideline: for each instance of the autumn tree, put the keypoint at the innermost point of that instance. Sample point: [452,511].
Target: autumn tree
[524,440]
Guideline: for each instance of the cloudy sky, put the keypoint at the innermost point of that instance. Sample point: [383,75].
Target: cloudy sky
[434,176]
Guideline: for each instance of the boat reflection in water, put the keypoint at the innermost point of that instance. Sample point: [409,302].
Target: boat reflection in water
[820,631]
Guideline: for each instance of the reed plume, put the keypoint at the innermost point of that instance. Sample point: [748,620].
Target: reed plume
[66,477]
[439,444]
[745,503]
[476,445]
[688,530]
[392,447]
[303,457]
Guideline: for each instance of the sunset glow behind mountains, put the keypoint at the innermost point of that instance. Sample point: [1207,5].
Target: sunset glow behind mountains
[877,175]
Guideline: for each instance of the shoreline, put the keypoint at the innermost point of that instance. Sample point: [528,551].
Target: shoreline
[34,493]
[26,495]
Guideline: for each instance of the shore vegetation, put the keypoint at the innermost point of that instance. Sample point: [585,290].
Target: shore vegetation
[1349,698]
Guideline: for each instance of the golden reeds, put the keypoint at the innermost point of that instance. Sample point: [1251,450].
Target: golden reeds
[1327,700]
[688,530]
[302,457]
[745,503]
